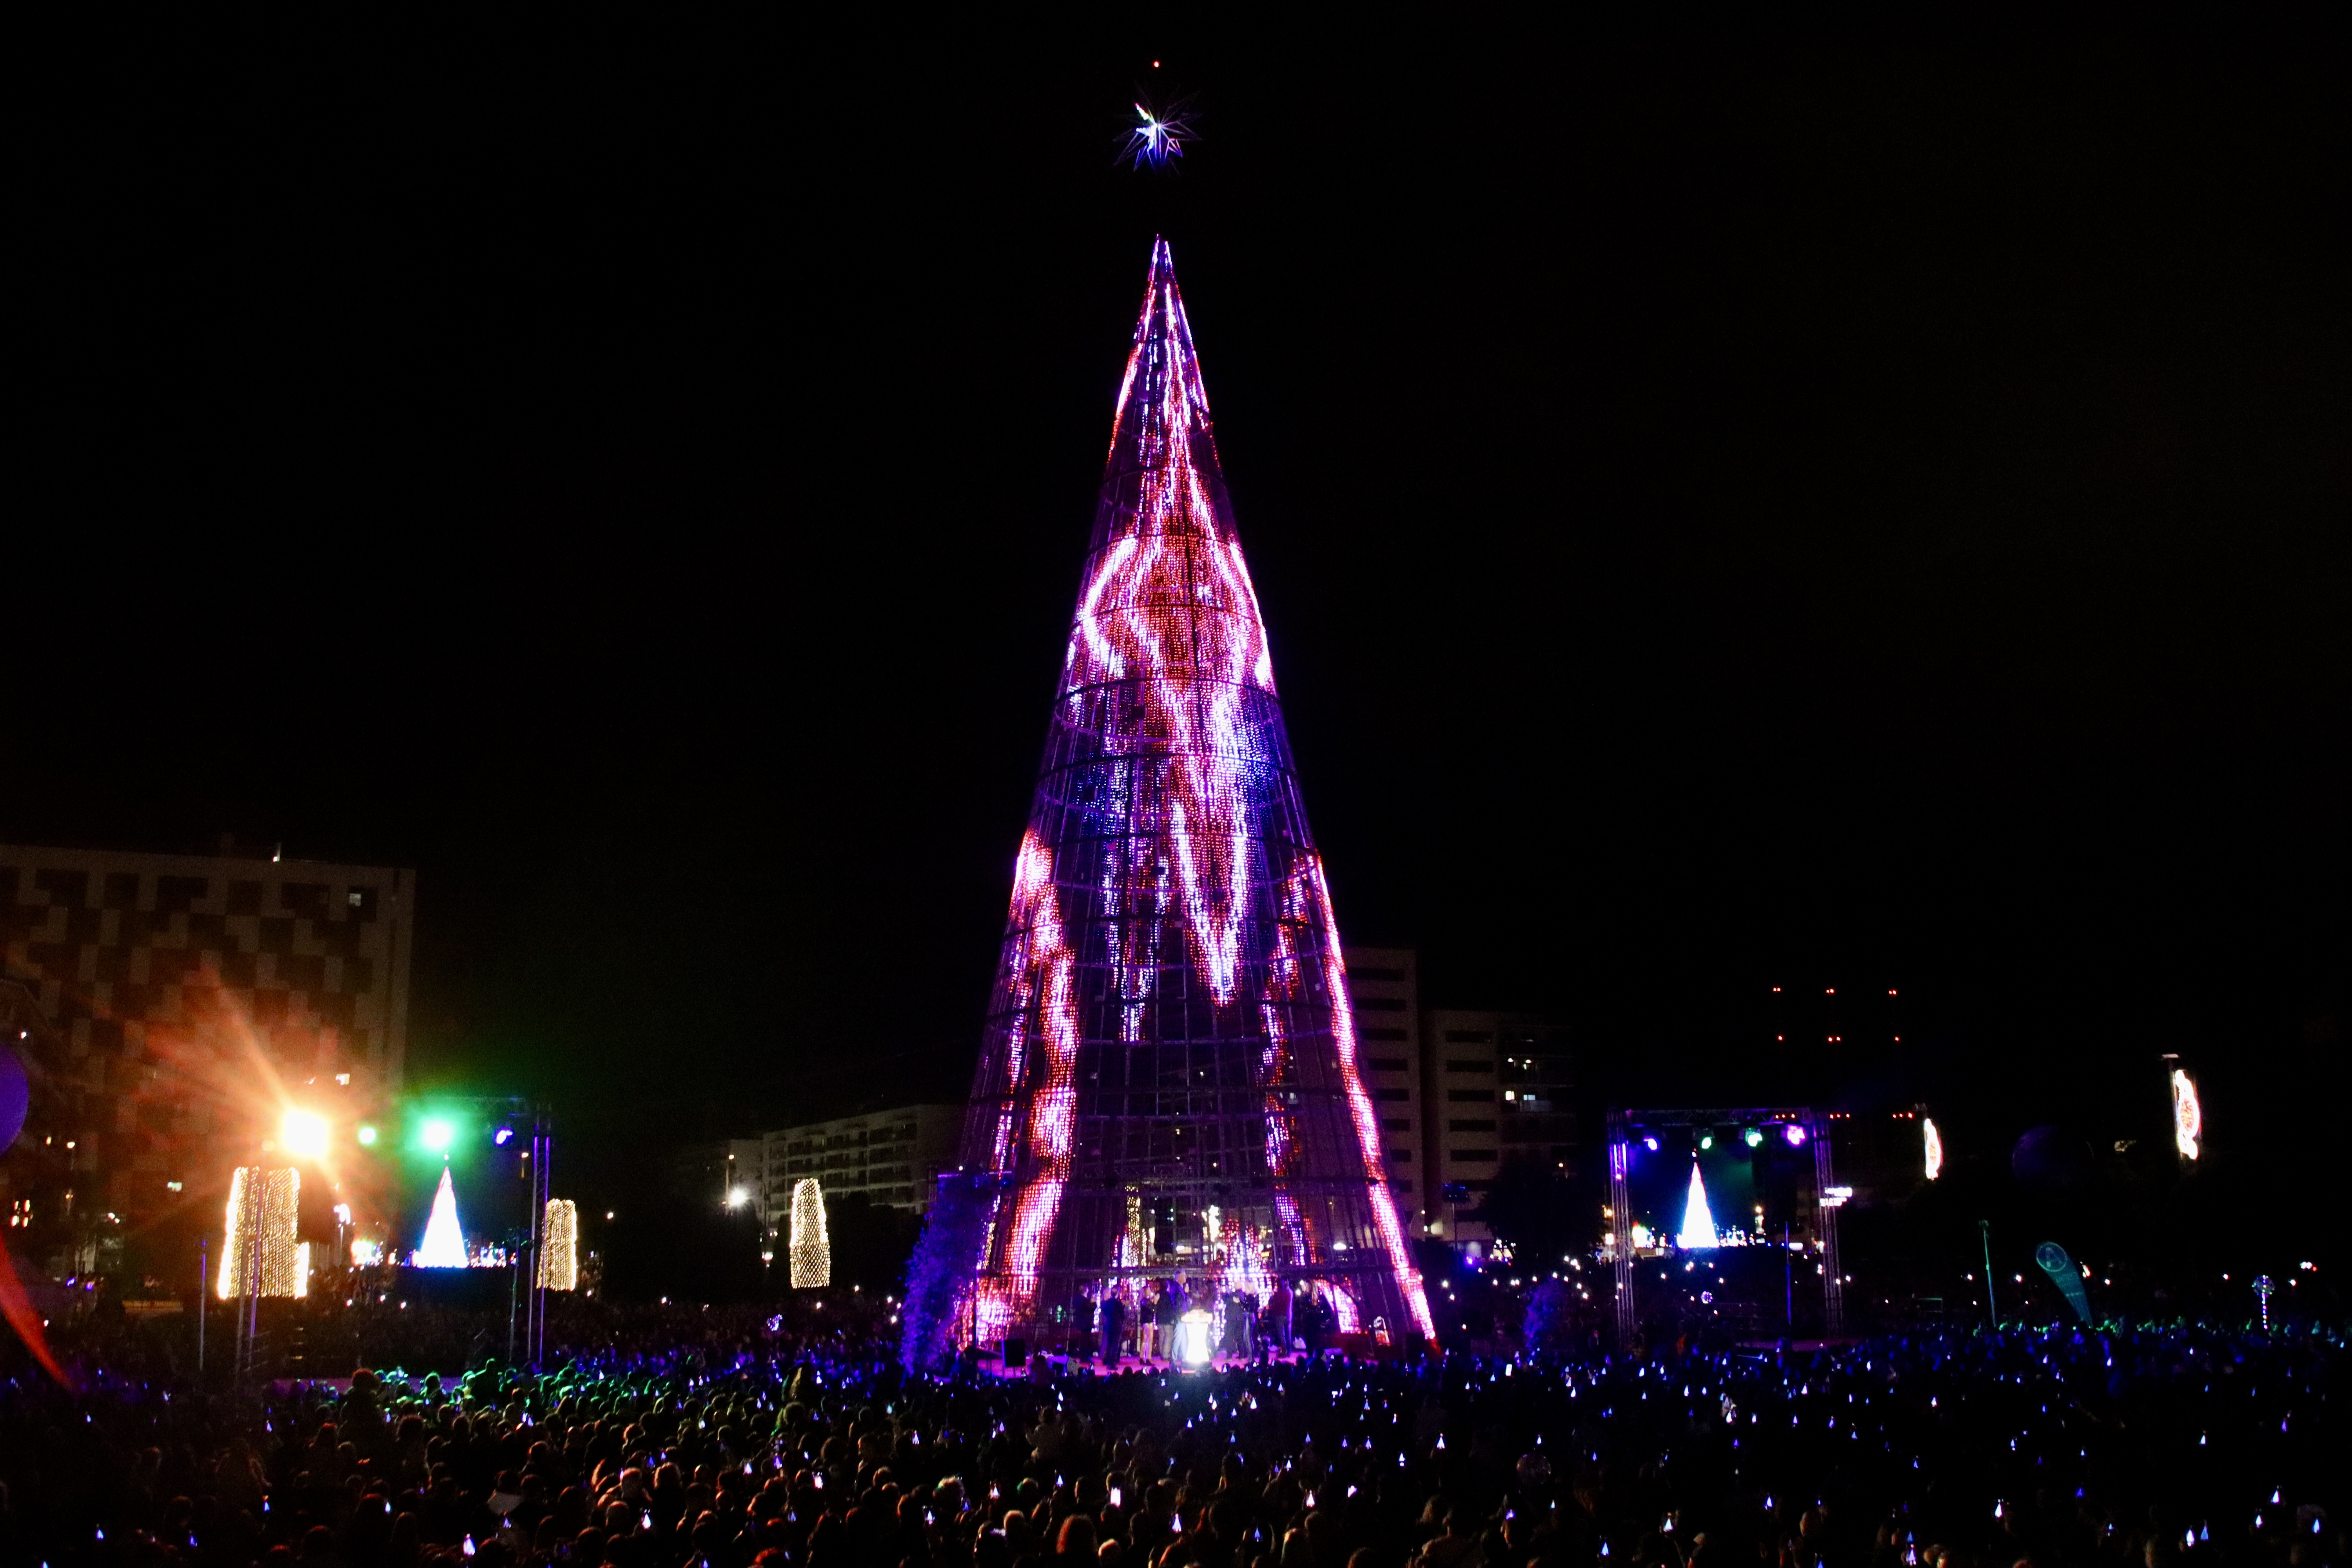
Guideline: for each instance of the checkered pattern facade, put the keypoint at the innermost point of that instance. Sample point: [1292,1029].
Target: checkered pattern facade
[183,993]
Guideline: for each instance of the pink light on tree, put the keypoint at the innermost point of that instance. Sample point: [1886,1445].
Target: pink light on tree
[1171,1033]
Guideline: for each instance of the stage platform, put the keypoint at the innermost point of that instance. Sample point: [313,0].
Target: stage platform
[1361,1348]
[1043,1366]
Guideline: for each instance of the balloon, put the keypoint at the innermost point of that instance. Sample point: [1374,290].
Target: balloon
[2050,1160]
[16,1098]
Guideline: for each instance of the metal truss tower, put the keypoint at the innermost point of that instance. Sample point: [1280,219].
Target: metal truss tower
[1168,1087]
[1794,1123]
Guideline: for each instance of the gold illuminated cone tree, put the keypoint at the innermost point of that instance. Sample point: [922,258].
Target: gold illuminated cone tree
[559,1247]
[811,1252]
[1169,1088]
[262,1252]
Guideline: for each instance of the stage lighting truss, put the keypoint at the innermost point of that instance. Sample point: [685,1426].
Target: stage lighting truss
[1632,1131]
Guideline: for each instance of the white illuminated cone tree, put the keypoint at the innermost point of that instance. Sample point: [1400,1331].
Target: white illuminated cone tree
[1699,1219]
[444,1244]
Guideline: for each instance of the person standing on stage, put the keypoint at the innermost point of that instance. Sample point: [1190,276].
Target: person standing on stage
[1276,1319]
[1113,1316]
[1170,1307]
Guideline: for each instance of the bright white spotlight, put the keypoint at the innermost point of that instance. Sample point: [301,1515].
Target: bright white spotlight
[303,1133]
[1934,1146]
[737,1197]
[1193,1338]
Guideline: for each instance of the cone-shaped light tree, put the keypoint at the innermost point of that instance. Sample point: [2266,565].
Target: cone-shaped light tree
[1168,1098]
[1699,1219]
[445,1243]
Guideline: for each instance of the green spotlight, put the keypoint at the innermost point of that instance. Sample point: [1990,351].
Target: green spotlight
[1707,1139]
[436,1135]
[367,1136]
[1753,1137]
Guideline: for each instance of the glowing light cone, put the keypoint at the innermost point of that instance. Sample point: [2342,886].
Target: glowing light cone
[444,1244]
[1698,1220]
[1171,1035]
[811,1253]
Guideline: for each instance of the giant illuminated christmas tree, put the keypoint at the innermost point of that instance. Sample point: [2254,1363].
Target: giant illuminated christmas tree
[1168,1094]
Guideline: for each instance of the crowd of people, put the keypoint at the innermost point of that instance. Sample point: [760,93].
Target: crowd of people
[687,1437]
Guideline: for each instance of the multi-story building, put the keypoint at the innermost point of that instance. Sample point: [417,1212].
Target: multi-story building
[1459,1095]
[894,1157]
[1497,1087]
[1537,1072]
[187,1002]
[1384,992]
[1461,1087]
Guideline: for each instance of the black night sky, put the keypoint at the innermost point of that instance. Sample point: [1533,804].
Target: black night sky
[1732,509]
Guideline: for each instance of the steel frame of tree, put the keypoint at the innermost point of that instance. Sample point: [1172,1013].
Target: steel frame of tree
[1168,1087]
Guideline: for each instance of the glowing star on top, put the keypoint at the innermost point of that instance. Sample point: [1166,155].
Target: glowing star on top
[444,1244]
[1157,138]
[1169,1095]
[1698,1220]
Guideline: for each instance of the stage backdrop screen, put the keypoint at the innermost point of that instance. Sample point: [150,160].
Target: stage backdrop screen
[1737,1178]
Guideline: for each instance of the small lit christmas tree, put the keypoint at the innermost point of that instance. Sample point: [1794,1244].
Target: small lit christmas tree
[444,1244]
[1698,1221]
